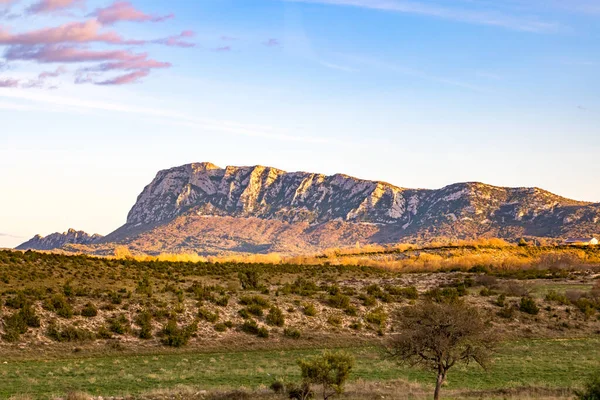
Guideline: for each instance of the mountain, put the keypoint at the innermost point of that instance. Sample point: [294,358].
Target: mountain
[203,208]
[58,240]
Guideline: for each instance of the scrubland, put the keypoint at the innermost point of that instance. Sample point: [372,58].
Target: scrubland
[154,328]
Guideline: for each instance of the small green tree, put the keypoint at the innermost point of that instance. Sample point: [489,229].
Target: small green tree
[437,336]
[329,370]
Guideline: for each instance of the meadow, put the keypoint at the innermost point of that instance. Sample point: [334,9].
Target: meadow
[157,329]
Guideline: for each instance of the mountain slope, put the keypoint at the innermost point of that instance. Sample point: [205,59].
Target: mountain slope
[203,208]
[58,240]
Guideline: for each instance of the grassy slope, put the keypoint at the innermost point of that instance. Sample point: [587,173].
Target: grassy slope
[545,363]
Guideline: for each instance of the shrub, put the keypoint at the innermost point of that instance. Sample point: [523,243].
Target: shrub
[60,305]
[529,306]
[144,321]
[501,300]
[89,310]
[368,301]
[255,309]
[330,371]
[249,280]
[255,301]
[68,333]
[220,327]
[300,392]
[292,333]
[119,324]
[356,325]
[222,301]
[250,327]
[339,301]
[591,390]
[309,310]
[262,332]
[175,336]
[208,316]
[377,317]
[552,295]
[410,292]
[507,312]
[301,287]
[335,320]
[277,387]
[446,295]
[275,317]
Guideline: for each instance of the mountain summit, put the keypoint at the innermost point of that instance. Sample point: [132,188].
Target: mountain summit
[203,208]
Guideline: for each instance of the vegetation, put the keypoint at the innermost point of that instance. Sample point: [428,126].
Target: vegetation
[330,371]
[438,336]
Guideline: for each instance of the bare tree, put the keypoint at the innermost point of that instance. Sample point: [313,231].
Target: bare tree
[438,336]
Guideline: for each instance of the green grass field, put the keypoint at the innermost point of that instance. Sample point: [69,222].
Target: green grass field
[526,363]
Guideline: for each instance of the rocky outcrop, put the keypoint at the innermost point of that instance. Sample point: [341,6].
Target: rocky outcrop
[204,208]
[58,240]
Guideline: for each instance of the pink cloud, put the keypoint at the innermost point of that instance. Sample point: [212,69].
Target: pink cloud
[53,74]
[48,6]
[68,54]
[133,77]
[177,40]
[75,32]
[8,83]
[124,11]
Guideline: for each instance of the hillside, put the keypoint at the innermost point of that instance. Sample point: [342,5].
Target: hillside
[206,209]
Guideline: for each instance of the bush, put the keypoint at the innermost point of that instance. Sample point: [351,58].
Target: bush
[144,321]
[552,295]
[275,317]
[507,312]
[591,389]
[119,325]
[529,306]
[68,333]
[410,292]
[255,301]
[330,371]
[309,310]
[377,317]
[89,310]
[262,332]
[339,300]
[220,327]
[208,316]
[249,280]
[292,333]
[301,392]
[277,387]
[368,301]
[335,320]
[175,336]
[250,327]
[60,305]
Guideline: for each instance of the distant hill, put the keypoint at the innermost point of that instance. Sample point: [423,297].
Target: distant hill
[203,208]
[58,240]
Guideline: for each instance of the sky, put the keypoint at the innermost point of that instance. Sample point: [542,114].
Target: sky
[96,96]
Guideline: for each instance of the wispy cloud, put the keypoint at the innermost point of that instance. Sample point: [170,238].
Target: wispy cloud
[489,18]
[125,11]
[170,117]
[50,6]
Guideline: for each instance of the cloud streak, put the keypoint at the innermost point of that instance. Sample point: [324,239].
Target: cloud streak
[124,11]
[50,6]
[489,18]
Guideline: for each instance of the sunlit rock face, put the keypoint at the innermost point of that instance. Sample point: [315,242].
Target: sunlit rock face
[201,206]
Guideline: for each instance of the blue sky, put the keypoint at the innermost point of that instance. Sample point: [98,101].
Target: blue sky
[416,93]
